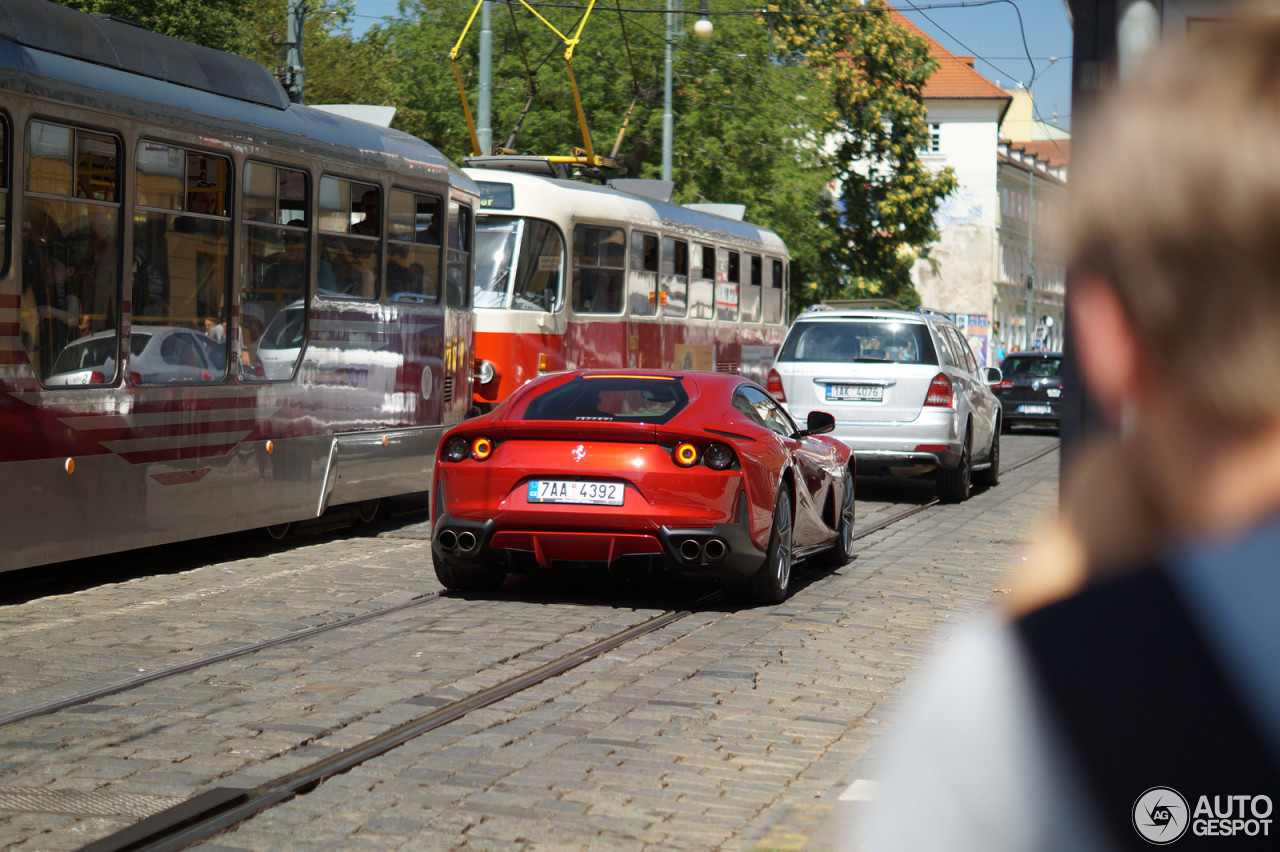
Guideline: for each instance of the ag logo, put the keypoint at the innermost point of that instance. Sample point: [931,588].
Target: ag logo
[1161,815]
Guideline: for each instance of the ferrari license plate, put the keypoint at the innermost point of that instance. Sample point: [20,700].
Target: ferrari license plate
[1035,409]
[575,491]
[868,393]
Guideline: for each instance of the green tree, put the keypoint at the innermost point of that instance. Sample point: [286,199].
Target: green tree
[339,68]
[219,24]
[885,199]
[745,122]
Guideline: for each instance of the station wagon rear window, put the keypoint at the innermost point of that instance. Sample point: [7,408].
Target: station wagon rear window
[605,399]
[851,341]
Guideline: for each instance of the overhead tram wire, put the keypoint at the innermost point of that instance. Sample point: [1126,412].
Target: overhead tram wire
[956,4]
[1021,28]
[726,70]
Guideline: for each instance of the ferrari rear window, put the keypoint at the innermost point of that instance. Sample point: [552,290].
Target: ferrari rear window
[604,398]
[845,340]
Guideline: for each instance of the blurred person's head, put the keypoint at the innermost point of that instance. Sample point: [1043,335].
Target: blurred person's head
[1175,211]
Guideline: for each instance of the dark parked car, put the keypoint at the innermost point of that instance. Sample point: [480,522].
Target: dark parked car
[1030,390]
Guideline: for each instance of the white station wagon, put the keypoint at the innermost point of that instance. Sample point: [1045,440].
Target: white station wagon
[906,391]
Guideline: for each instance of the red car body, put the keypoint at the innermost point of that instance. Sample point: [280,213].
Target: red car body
[698,473]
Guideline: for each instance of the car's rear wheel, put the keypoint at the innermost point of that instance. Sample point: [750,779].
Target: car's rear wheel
[842,550]
[955,484]
[467,578]
[772,580]
[990,477]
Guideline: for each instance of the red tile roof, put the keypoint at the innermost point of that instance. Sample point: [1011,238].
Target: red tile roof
[955,77]
[1056,152]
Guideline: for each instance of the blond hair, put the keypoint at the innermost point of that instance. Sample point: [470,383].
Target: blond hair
[1175,200]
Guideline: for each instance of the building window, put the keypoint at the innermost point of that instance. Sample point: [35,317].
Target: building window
[934,143]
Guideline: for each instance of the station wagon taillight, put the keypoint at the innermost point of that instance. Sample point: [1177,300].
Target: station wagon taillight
[774,386]
[939,392]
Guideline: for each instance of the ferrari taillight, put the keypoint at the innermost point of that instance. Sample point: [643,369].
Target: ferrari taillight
[939,391]
[456,449]
[481,449]
[718,457]
[686,454]
[774,386]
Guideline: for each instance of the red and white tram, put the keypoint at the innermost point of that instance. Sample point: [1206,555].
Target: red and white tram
[218,310]
[572,275]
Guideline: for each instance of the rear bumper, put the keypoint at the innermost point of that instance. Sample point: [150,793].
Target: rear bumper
[720,552]
[1011,413]
[929,441]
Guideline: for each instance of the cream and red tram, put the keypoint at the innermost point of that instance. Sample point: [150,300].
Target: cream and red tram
[218,310]
[573,275]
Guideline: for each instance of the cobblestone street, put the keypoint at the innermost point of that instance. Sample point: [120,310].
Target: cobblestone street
[728,729]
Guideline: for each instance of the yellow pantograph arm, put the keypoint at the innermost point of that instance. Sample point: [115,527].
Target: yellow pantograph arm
[570,44]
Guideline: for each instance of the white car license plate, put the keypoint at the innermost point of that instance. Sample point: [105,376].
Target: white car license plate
[575,491]
[866,393]
[1035,409]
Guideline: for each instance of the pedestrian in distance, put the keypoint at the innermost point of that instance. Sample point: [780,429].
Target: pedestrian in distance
[1129,692]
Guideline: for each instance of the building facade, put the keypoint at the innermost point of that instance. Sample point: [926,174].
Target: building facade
[1001,226]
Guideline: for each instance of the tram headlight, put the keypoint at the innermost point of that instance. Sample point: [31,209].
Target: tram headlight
[457,449]
[485,372]
[718,457]
[686,454]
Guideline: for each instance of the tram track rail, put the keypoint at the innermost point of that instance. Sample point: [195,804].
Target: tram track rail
[916,510]
[223,807]
[79,698]
[220,808]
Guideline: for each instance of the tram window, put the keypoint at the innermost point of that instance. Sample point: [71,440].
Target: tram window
[675,277]
[773,291]
[70,251]
[273,302]
[413,253]
[457,272]
[642,298]
[540,271]
[598,256]
[751,292]
[350,226]
[702,287]
[182,246]
[275,196]
[727,290]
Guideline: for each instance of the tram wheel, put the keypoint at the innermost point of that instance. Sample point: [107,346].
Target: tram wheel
[277,532]
[367,510]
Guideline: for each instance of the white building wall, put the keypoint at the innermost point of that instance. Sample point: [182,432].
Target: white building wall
[957,274]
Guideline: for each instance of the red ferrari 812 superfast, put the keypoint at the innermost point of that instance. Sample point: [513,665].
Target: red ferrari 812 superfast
[701,474]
